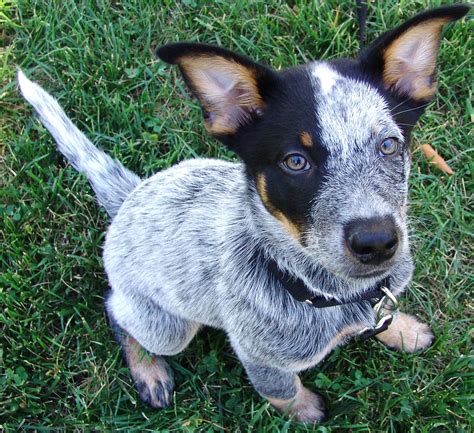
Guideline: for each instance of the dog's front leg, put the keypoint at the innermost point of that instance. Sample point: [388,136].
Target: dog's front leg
[284,390]
[406,333]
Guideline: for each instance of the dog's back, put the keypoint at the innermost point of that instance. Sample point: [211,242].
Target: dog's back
[167,241]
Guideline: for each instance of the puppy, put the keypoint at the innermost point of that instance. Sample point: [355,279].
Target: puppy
[316,212]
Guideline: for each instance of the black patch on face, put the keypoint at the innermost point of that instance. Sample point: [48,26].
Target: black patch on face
[264,145]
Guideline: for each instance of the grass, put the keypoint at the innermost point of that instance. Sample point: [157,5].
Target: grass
[59,366]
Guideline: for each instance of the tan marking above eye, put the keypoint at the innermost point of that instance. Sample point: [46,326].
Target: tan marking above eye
[306,139]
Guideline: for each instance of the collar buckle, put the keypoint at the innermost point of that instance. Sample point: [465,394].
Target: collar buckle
[381,326]
[387,303]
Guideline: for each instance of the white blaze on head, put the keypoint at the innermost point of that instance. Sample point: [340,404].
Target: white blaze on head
[327,77]
[350,112]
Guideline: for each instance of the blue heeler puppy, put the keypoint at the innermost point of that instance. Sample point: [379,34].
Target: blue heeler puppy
[315,211]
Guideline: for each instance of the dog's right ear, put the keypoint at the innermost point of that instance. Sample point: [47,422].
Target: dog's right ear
[405,57]
[232,89]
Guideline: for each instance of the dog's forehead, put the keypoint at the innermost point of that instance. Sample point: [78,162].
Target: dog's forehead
[350,112]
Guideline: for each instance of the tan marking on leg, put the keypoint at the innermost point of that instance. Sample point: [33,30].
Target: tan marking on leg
[306,139]
[406,333]
[290,227]
[151,373]
[306,406]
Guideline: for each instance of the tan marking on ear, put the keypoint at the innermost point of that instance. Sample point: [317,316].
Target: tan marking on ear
[406,333]
[219,128]
[410,60]
[290,227]
[225,88]
[306,406]
[306,139]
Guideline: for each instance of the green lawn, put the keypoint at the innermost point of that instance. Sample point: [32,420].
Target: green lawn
[59,365]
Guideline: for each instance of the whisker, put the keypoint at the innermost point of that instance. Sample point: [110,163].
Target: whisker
[406,124]
[411,109]
[401,103]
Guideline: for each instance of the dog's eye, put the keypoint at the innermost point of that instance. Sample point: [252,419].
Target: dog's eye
[389,147]
[296,162]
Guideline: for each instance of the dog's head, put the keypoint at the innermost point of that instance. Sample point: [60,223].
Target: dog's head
[326,143]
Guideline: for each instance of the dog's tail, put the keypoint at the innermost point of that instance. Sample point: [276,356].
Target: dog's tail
[111,181]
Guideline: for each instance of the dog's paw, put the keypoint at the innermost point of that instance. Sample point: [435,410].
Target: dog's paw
[151,373]
[306,406]
[407,333]
[153,381]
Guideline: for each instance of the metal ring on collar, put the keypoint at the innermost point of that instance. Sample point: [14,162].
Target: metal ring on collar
[383,302]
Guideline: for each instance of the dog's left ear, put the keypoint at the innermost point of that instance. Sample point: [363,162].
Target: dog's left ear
[231,88]
[405,58]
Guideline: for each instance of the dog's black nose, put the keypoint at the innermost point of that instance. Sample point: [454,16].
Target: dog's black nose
[372,241]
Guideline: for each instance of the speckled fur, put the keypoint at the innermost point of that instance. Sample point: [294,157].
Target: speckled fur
[189,246]
[111,181]
[354,117]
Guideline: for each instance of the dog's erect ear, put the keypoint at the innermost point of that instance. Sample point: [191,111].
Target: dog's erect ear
[405,57]
[231,88]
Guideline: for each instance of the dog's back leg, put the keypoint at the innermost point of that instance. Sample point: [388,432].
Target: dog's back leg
[145,332]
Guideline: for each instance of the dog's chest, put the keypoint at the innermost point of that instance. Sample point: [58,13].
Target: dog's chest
[279,330]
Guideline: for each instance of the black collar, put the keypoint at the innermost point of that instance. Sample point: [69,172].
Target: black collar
[299,291]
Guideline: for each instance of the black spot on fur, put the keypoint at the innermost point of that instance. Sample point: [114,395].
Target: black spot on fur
[163,393]
[144,393]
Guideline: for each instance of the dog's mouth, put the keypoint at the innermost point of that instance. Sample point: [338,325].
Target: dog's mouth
[371,274]
[358,272]
[345,268]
